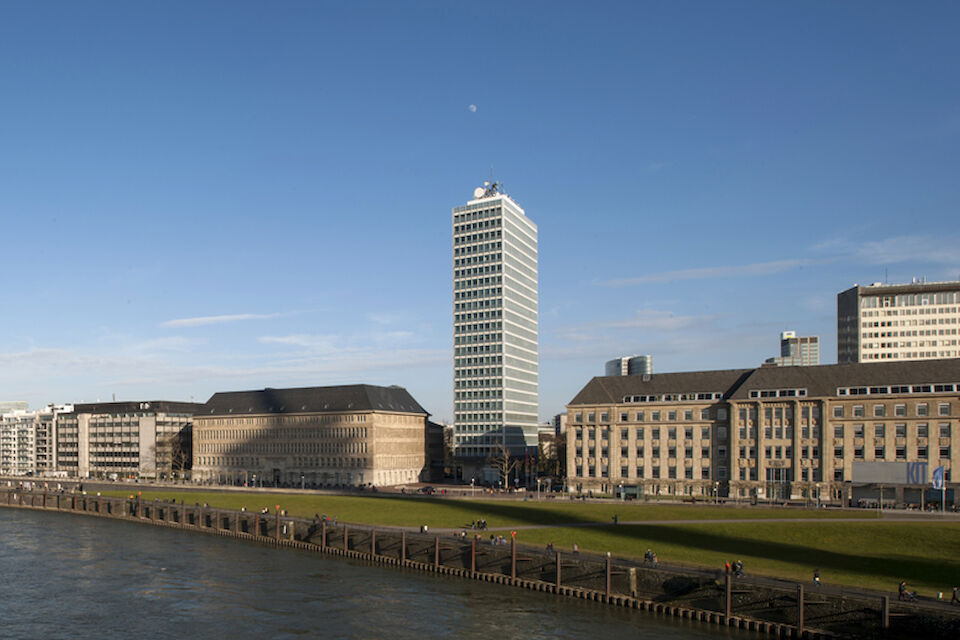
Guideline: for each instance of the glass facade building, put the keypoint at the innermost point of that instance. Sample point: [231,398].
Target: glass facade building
[495,327]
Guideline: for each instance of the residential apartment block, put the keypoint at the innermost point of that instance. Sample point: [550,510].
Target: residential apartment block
[772,433]
[495,329]
[353,435]
[917,321]
[126,439]
[28,441]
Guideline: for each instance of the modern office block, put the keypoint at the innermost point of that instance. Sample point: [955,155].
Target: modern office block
[495,328]
[882,322]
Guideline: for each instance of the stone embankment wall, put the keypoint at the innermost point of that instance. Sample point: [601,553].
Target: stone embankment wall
[740,603]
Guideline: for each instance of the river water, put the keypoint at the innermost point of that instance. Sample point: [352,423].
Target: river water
[70,576]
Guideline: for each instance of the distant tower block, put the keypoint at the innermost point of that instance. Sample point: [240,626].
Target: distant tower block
[629,366]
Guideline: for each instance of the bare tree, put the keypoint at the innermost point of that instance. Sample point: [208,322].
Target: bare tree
[501,460]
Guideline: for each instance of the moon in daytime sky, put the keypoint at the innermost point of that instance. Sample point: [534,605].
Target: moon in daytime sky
[472,108]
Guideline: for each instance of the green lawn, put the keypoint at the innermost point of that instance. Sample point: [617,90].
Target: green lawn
[874,555]
[868,554]
[452,513]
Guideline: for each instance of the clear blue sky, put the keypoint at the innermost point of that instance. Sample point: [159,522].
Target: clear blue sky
[203,196]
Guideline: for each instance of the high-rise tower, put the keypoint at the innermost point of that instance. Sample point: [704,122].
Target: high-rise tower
[495,320]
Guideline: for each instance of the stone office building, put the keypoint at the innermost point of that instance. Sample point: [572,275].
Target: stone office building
[766,433]
[353,435]
[126,439]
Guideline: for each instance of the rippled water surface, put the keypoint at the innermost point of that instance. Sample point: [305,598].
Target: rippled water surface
[69,576]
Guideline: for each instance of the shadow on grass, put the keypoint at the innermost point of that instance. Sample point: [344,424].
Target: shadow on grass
[931,570]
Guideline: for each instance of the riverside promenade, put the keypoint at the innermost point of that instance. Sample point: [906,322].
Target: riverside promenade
[782,610]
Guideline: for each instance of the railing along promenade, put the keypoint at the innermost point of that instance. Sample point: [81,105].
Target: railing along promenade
[762,605]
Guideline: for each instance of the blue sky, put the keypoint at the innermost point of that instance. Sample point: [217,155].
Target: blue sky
[200,197]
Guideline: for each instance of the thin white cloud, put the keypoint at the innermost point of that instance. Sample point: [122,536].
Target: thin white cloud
[939,249]
[653,320]
[472,108]
[208,320]
[702,273]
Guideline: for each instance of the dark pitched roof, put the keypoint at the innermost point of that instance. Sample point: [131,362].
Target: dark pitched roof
[610,389]
[145,406]
[736,384]
[354,397]
[823,380]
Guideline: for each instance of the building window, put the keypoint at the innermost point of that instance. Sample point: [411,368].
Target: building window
[879,411]
[655,416]
[578,417]
[900,410]
[858,453]
[922,431]
[879,431]
[879,453]
[858,431]
[944,452]
[944,429]
[604,417]
[705,433]
[837,411]
[639,416]
[858,411]
[672,433]
[688,433]
[721,414]
[705,414]
[901,453]
[672,416]
[688,415]
[838,431]
[624,417]
[943,409]
[923,409]
[901,430]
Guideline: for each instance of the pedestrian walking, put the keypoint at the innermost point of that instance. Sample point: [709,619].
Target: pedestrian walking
[956,596]
[816,577]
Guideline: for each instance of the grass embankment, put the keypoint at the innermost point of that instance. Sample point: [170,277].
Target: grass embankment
[867,554]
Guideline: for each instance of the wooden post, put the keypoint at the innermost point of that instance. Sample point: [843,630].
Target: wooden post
[728,598]
[44,500]
[436,551]
[473,555]
[277,532]
[403,546]
[800,609]
[256,524]
[885,612]
[346,538]
[607,590]
[558,570]
[513,557]
[373,541]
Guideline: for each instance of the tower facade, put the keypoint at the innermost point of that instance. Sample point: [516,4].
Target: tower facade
[916,321]
[495,330]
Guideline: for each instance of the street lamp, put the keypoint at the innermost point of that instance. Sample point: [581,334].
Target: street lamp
[301,482]
[622,496]
[538,489]
[472,487]
[716,493]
